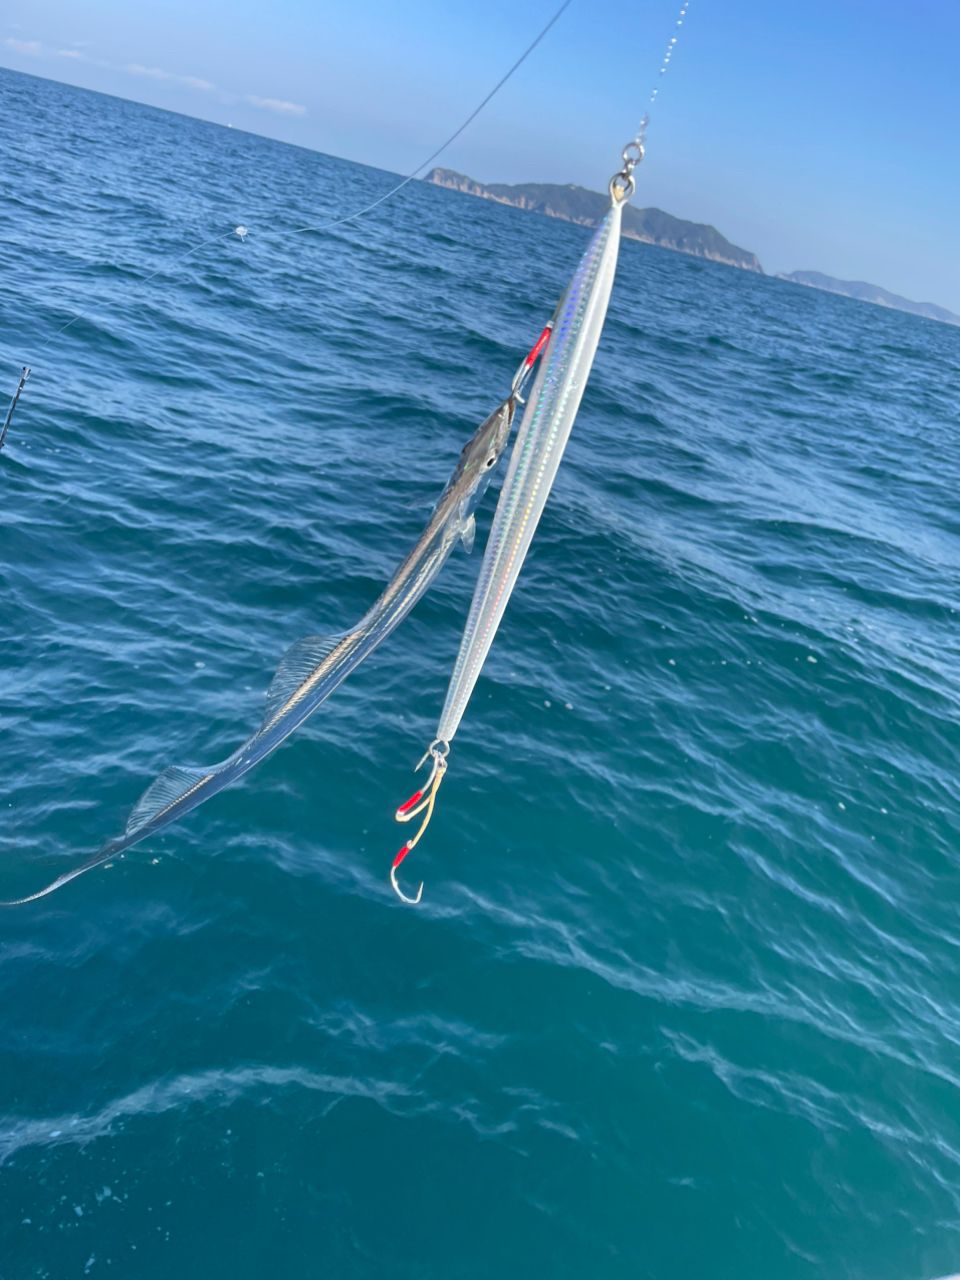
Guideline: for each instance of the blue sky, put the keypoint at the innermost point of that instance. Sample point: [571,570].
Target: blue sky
[821,134]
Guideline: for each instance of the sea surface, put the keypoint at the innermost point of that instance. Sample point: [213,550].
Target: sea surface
[682,999]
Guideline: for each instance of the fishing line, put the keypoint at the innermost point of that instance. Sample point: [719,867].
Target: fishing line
[242,231]
[640,137]
[325,226]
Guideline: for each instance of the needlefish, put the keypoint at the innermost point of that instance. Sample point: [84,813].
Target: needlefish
[313,667]
[541,439]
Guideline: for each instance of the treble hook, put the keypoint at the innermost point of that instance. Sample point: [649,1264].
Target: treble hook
[421,801]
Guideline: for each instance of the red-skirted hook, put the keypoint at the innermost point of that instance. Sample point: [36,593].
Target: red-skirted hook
[408,804]
[402,853]
[530,359]
[393,878]
[538,346]
[421,801]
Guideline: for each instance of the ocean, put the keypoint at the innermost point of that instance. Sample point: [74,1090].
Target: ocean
[682,997]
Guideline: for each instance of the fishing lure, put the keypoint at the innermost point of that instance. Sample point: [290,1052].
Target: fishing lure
[313,667]
[542,437]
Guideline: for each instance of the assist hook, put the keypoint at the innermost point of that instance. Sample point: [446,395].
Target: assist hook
[422,801]
[530,359]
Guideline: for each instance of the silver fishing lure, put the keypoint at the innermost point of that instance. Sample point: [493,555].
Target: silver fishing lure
[541,440]
[313,667]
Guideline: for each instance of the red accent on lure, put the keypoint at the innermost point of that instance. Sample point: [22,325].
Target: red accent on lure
[400,856]
[408,804]
[538,346]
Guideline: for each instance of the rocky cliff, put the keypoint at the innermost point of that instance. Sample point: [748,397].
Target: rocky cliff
[577,204]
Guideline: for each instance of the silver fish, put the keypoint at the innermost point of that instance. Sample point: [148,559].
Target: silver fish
[541,440]
[313,667]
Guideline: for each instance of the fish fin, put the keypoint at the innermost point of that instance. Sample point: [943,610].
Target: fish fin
[468,534]
[296,664]
[170,786]
[165,790]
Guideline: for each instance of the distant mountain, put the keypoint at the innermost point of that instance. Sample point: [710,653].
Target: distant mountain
[871,293]
[577,204]
[653,226]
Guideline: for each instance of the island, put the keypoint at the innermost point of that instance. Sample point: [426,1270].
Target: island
[577,204]
[870,293]
[653,226]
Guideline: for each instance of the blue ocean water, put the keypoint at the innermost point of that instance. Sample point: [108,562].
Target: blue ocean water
[682,998]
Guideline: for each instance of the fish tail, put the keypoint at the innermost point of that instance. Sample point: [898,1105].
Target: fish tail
[180,788]
[103,854]
[163,801]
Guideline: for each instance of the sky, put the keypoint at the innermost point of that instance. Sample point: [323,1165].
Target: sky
[820,134]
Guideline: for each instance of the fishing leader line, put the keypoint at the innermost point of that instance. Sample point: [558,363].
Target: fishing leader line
[640,137]
[243,231]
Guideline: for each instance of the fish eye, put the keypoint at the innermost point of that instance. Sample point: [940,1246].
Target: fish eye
[491,460]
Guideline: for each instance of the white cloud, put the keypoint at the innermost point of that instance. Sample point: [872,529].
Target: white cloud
[277,104]
[158,73]
[32,47]
[155,73]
